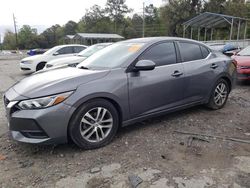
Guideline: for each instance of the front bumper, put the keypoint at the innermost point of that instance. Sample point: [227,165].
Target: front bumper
[26,67]
[243,74]
[43,126]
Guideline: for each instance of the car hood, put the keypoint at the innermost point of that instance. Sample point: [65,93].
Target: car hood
[30,58]
[242,60]
[66,60]
[56,81]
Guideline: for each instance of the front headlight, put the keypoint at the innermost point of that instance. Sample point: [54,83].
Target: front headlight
[43,102]
[26,62]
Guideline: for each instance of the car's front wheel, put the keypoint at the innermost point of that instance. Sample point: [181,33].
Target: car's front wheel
[219,95]
[94,124]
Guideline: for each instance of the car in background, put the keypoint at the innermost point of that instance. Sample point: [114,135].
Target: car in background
[36,51]
[227,49]
[73,61]
[124,83]
[37,62]
[243,64]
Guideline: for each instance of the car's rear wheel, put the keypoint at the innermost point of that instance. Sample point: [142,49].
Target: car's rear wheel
[219,95]
[94,124]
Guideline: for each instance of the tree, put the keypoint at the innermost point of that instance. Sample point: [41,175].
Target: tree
[70,28]
[96,21]
[53,35]
[216,6]
[26,37]
[116,10]
[9,41]
[153,24]
[177,12]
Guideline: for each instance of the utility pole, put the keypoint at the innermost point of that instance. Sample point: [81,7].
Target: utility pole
[1,47]
[143,21]
[15,27]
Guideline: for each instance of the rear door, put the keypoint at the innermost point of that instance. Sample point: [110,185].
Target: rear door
[200,71]
[158,89]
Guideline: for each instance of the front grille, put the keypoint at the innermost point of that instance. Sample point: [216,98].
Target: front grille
[6,101]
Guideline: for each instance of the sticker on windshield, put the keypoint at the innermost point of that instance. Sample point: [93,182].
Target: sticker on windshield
[134,47]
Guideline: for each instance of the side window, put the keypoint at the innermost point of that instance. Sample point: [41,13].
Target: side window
[66,50]
[190,52]
[205,51]
[161,54]
[78,49]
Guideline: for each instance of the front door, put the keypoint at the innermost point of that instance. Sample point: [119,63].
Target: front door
[158,89]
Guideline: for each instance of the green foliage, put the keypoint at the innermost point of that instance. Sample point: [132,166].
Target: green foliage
[163,21]
[26,38]
[9,41]
[116,10]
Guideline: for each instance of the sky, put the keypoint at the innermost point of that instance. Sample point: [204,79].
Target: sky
[44,13]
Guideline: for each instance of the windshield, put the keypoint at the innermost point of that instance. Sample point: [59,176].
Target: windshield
[245,52]
[91,50]
[51,50]
[111,56]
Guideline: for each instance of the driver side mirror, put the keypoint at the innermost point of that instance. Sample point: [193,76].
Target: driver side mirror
[144,65]
[56,53]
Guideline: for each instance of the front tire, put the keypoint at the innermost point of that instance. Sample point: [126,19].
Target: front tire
[40,66]
[219,95]
[94,124]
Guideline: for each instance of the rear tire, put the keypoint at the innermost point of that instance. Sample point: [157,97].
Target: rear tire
[94,124]
[219,95]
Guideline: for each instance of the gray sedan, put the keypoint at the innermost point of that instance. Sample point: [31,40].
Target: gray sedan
[124,83]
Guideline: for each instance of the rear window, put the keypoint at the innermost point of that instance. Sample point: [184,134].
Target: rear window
[190,52]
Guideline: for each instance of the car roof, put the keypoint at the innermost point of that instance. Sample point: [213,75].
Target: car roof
[150,40]
[103,44]
[67,45]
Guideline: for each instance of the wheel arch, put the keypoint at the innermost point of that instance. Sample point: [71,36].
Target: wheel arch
[114,100]
[109,97]
[41,63]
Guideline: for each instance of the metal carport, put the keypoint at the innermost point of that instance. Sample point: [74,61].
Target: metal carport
[211,21]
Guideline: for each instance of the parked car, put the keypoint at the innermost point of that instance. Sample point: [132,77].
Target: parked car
[75,60]
[227,49]
[37,62]
[126,82]
[243,64]
[36,51]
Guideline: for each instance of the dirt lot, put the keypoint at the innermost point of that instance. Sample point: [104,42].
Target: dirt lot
[151,150]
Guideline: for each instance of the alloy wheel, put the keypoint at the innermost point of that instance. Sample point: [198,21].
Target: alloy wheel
[96,124]
[220,94]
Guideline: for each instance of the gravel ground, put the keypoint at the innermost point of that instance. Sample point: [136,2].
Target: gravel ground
[150,150]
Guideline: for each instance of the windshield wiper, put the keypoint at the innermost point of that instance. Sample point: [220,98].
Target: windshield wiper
[82,67]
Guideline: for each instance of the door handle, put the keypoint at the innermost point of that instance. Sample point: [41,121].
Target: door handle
[214,66]
[177,74]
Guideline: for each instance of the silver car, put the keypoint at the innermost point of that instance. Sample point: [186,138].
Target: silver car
[126,82]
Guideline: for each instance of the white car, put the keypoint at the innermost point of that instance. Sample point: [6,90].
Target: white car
[73,61]
[37,62]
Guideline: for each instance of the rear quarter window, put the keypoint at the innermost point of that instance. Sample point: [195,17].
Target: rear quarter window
[78,49]
[205,51]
